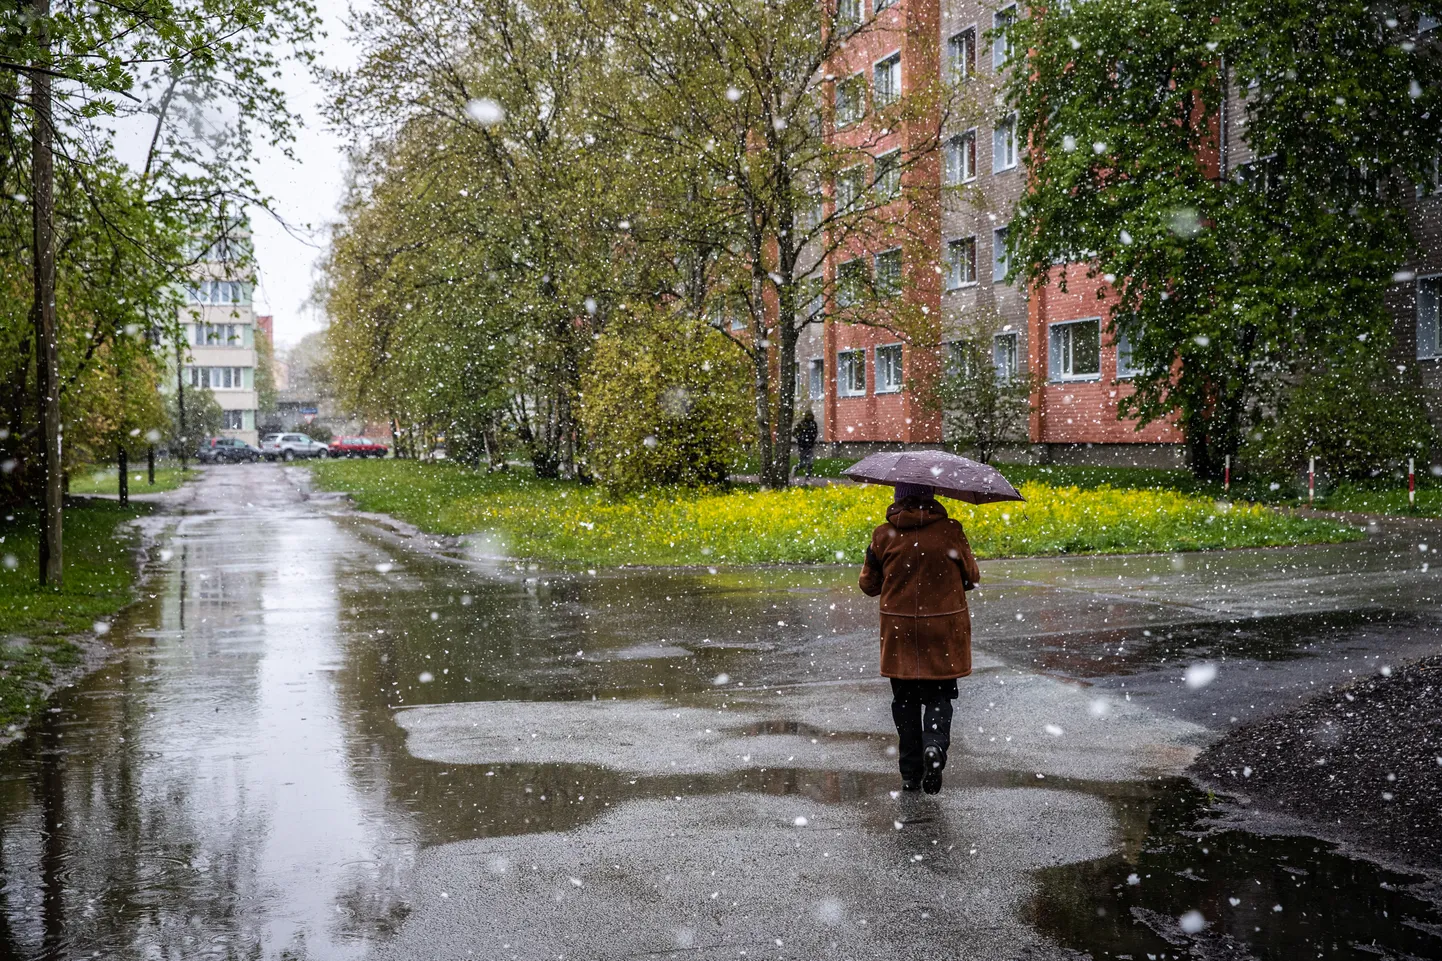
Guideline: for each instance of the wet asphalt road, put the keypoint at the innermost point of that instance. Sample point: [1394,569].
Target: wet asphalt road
[322,739]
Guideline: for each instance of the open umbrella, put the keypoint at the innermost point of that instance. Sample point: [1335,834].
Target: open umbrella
[959,477]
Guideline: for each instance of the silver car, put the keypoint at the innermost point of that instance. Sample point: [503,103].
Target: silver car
[291,446]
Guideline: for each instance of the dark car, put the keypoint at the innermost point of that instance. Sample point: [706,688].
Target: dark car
[357,447]
[226,450]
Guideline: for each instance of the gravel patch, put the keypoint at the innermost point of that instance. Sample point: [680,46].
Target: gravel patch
[1364,759]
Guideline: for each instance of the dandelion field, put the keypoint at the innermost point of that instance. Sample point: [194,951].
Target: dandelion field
[523,517]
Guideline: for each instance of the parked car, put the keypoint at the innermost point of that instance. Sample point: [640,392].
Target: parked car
[357,447]
[291,446]
[226,450]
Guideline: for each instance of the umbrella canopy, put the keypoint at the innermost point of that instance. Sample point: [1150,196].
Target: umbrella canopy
[959,477]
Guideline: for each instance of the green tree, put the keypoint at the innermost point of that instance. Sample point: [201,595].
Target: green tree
[984,408]
[1230,288]
[665,403]
[729,107]
[104,243]
[203,418]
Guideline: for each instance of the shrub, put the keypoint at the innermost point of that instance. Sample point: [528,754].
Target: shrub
[664,402]
[1358,420]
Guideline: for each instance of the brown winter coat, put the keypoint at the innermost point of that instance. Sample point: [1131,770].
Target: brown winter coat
[918,562]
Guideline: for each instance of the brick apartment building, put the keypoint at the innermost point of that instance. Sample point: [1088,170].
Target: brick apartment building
[955,264]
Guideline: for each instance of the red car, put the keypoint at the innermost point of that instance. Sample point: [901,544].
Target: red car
[357,447]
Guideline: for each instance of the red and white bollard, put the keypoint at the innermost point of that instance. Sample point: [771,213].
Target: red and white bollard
[1411,483]
[1311,480]
[1227,473]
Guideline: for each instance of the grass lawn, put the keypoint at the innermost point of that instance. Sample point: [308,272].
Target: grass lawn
[99,572]
[562,521]
[103,479]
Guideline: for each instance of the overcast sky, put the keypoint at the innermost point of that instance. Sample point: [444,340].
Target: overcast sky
[305,191]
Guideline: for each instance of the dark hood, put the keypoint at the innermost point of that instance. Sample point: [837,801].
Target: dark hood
[914,512]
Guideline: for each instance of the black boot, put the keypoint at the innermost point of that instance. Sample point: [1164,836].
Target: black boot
[934,761]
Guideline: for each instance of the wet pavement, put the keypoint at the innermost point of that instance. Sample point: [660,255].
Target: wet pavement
[323,739]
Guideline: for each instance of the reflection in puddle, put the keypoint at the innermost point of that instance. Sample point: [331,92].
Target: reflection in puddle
[1274,898]
[1132,650]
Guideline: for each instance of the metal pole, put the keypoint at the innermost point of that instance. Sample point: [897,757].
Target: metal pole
[1227,473]
[1311,480]
[1411,482]
[150,463]
[124,461]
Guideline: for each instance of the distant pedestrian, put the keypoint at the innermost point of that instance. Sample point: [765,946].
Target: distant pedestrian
[806,433]
[921,565]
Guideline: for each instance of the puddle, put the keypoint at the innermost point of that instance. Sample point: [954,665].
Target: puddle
[1272,898]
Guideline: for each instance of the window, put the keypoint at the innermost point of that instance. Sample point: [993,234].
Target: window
[1426,24]
[851,373]
[1001,22]
[1003,144]
[961,263]
[850,282]
[886,81]
[1125,367]
[817,379]
[961,158]
[961,55]
[234,419]
[1076,350]
[888,176]
[812,305]
[850,100]
[849,187]
[888,273]
[880,5]
[1003,355]
[1429,341]
[958,358]
[888,369]
[1000,260]
[1433,182]
[848,14]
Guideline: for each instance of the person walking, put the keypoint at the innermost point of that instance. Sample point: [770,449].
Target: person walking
[806,433]
[920,564]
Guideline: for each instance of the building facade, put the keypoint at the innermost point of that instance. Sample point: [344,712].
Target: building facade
[860,380]
[219,325]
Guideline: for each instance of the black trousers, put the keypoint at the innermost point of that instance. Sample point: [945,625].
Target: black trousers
[922,712]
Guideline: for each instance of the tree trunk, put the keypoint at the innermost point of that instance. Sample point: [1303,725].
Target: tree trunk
[181,428]
[47,353]
[150,463]
[123,459]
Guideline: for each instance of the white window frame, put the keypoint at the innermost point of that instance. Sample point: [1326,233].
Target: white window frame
[1007,372]
[968,63]
[856,81]
[889,367]
[887,290]
[887,184]
[956,275]
[1056,361]
[236,415]
[816,378]
[847,363]
[1003,144]
[892,63]
[854,177]
[850,13]
[960,159]
[1001,45]
[879,5]
[1000,261]
[1126,370]
[845,297]
[1429,318]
